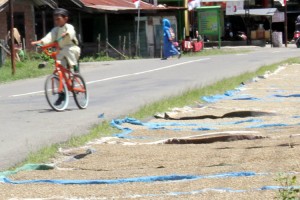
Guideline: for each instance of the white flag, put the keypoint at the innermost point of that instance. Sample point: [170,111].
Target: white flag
[137,3]
[283,2]
[191,5]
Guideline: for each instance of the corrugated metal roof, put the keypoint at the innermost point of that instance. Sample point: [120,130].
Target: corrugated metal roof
[50,3]
[3,4]
[122,5]
[115,3]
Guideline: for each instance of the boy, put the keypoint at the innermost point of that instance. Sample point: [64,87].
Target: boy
[69,50]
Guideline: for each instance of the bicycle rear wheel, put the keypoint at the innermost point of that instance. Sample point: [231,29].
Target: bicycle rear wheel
[58,100]
[80,92]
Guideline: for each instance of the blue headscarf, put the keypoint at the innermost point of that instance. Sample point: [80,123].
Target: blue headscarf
[166,24]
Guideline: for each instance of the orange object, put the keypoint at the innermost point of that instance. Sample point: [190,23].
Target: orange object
[63,73]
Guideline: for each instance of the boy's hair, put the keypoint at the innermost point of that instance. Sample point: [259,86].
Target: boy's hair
[61,12]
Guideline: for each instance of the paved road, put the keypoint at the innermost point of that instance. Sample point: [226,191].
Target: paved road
[116,88]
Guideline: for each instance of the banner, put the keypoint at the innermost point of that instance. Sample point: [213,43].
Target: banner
[208,21]
[233,6]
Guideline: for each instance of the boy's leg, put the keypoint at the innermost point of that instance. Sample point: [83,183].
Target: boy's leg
[72,55]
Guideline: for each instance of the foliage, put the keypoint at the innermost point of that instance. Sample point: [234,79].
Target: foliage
[97,58]
[288,191]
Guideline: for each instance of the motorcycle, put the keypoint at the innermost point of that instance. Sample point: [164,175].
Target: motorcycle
[297,38]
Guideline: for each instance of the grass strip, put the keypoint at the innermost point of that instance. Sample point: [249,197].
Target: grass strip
[24,70]
[186,98]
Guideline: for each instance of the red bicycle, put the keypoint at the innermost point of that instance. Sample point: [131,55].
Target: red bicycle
[62,81]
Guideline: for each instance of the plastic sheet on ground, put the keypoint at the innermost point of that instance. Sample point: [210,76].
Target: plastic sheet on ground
[146,179]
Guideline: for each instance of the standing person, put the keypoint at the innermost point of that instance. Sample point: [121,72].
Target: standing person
[16,42]
[298,23]
[69,50]
[169,36]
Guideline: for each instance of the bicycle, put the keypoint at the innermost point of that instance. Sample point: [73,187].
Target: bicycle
[62,81]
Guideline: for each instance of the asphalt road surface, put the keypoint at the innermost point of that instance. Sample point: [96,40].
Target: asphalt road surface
[116,88]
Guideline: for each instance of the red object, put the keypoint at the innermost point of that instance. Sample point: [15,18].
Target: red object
[187,45]
[296,34]
[192,46]
[197,46]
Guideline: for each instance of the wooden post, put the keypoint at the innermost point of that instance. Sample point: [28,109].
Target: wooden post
[12,42]
[129,43]
[35,38]
[106,34]
[124,44]
[24,44]
[137,45]
[99,42]
[80,25]
[285,24]
[120,42]
[44,22]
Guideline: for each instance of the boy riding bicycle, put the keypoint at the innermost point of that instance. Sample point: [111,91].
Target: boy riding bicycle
[69,50]
[65,35]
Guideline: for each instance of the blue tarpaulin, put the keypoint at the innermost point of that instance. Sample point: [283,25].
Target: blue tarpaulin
[145,179]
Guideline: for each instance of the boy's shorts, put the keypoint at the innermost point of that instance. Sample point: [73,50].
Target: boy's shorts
[69,56]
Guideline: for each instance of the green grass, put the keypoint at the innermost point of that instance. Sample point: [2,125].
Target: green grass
[186,98]
[96,59]
[24,70]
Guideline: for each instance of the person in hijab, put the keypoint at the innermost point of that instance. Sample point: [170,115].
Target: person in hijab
[169,36]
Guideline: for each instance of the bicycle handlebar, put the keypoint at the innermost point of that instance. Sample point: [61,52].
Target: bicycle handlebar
[46,47]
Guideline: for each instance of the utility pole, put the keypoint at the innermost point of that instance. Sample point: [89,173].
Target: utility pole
[285,24]
[12,38]
[137,48]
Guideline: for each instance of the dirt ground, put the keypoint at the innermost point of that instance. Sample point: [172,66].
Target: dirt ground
[145,152]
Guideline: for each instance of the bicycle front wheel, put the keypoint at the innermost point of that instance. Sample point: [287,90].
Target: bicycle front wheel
[80,92]
[58,100]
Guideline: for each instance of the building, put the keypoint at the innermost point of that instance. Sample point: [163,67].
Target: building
[293,10]
[24,17]
[112,22]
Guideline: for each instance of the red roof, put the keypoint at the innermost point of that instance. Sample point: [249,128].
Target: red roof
[121,5]
[115,3]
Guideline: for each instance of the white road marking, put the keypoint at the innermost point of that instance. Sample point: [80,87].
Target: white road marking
[25,94]
[275,51]
[241,54]
[123,76]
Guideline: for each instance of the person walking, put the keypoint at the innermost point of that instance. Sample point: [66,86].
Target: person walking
[169,36]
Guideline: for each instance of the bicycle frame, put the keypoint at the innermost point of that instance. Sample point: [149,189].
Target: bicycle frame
[63,73]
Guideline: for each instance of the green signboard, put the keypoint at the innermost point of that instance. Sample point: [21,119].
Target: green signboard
[209,21]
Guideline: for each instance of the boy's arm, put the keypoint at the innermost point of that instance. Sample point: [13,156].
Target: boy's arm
[49,38]
[70,31]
